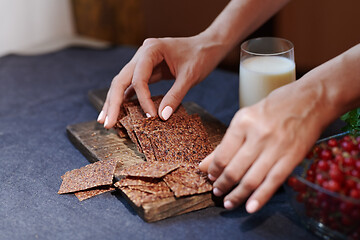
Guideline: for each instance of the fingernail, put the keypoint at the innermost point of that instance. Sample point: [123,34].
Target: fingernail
[217,192]
[211,177]
[148,115]
[252,206]
[106,121]
[166,112]
[228,205]
[200,164]
[101,115]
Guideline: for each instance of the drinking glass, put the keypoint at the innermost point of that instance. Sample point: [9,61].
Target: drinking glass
[265,64]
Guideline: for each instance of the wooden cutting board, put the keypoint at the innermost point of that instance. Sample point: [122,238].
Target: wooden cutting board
[97,143]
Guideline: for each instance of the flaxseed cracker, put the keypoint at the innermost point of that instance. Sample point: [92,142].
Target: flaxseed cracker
[154,189]
[137,181]
[96,174]
[149,185]
[144,127]
[184,145]
[141,129]
[139,197]
[134,110]
[86,194]
[187,180]
[149,169]
[145,145]
[120,129]
[121,132]
[152,124]
[126,122]
[124,110]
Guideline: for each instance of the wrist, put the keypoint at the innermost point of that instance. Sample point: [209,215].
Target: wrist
[340,82]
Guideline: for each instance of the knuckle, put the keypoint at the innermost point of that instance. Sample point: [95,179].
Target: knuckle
[219,163]
[136,83]
[117,83]
[249,184]
[150,42]
[236,198]
[247,154]
[114,81]
[175,97]
[242,117]
[230,176]
[245,119]
[277,177]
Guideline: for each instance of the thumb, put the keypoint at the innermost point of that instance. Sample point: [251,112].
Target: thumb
[173,98]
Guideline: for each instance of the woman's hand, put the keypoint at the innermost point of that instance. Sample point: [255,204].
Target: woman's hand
[188,60]
[262,145]
[266,141]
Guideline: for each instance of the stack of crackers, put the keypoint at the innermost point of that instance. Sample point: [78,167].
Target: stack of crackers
[172,150]
[90,180]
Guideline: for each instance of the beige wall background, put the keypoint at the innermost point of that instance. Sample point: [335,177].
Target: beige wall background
[38,26]
[26,25]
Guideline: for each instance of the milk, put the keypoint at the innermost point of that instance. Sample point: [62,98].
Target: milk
[259,75]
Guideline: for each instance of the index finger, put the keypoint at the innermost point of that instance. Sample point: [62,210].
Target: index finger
[115,96]
[146,63]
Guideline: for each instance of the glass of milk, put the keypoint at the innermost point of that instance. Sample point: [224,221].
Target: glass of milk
[265,64]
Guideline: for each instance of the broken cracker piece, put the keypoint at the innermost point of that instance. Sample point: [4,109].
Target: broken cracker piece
[149,169]
[96,174]
[187,180]
[137,181]
[140,197]
[126,122]
[159,188]
[143,190]
[86,194]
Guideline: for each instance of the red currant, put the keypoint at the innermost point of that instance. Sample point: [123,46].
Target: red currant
[326,154]
[339,158]
[332,142]
[350,184]
[355,173]
[355,193]
[333,186]
[347,138]
[346,221]
[346,207]
[323,165]
[348,146]
[336,174]
[320,179]
[349,162]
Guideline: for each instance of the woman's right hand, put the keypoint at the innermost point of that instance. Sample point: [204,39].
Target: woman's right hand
[188,60]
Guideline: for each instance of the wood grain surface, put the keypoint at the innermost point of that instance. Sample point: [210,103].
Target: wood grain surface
[97,143]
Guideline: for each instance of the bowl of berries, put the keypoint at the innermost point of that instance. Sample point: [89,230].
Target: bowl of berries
[324,189]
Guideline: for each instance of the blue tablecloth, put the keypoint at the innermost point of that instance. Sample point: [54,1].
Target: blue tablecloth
[40,96]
